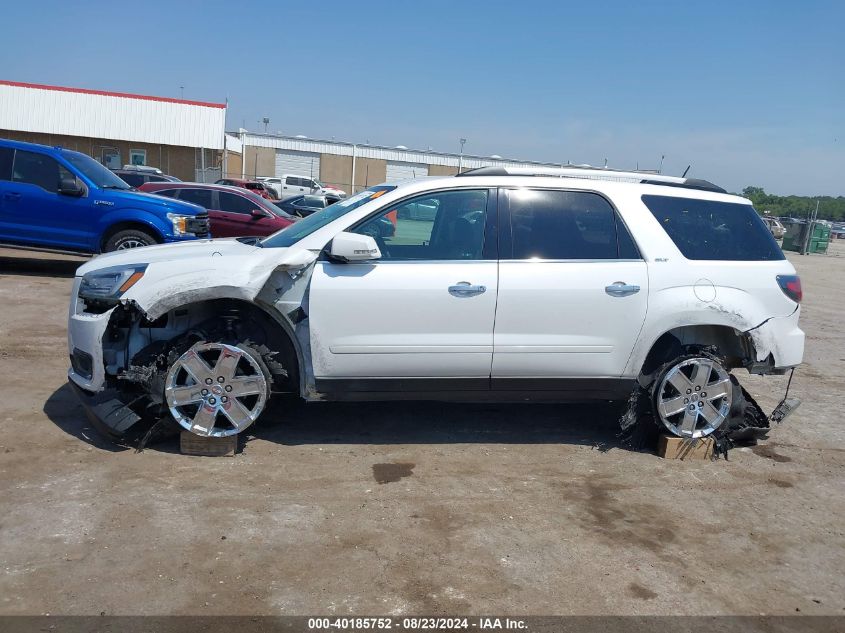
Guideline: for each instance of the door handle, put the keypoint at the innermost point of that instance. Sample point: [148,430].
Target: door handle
[10,195]
[466,289]
[621,289]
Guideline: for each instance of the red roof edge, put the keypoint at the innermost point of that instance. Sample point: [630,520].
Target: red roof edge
[110,94]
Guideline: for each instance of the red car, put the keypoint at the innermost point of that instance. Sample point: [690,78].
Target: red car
[252,185]
[232,212]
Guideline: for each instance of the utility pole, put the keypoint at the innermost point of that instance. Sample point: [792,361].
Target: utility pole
[461,155]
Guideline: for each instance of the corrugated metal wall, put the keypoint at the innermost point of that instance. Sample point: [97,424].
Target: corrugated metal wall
[145,120]
[390,154]
[297,163]
[405,171]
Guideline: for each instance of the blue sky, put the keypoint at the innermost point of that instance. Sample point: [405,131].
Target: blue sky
[748,93]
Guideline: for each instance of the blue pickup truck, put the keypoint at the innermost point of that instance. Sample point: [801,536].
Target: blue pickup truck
[57,199]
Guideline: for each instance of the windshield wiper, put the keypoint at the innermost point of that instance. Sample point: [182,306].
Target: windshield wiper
[115,187]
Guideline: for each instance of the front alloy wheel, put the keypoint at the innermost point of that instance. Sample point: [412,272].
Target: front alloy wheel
[216,390]
[694,397]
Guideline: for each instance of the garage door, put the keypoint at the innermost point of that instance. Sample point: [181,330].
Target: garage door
[298,163]
[404,171]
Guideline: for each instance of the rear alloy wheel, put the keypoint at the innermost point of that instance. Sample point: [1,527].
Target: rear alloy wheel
[693,396]
[217,390]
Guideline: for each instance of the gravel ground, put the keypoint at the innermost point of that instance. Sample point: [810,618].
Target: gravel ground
[399,508]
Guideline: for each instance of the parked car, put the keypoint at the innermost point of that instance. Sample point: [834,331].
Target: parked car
[250,185]
[303,206]
[331,189]
[526,284]
[293,185]
[233,212]
[58,199]
[274,184]
[777,229]
[135,176]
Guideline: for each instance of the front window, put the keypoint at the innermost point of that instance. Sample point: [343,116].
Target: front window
[447,225]
[292,234]
[39,170]
[94,171]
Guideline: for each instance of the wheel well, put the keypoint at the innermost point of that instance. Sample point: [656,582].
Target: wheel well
[736,347]
[123,226]
[262,328]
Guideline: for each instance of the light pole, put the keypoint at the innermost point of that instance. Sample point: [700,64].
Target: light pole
[461,155]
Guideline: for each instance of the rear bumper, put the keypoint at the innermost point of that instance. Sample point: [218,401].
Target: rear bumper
[782,338]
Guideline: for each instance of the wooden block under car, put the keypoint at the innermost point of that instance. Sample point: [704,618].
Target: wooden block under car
[673,447]
[191,444]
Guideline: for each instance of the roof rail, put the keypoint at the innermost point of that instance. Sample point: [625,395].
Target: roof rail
[597,173]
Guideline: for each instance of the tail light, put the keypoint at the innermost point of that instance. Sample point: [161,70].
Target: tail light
[791,286]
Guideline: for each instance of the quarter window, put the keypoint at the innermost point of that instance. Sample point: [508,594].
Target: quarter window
[710,230]
[232,203]
[170,193]
[444,226]
[38,169]
[566,225]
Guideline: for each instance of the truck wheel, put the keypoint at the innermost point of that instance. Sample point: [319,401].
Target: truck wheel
[693,395]
[217,389]
[129,238]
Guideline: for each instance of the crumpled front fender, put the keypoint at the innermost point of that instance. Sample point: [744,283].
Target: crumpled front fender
[169,285]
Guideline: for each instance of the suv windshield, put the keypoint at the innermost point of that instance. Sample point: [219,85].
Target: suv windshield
[97,173]
[292,234]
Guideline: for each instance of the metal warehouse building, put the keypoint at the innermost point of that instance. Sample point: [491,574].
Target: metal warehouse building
[341,164]
[182,138]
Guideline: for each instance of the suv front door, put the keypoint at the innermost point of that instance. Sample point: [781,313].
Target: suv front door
[573,290]
[423,311]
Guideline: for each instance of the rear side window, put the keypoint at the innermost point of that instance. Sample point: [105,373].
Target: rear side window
[201,197]
[708,230]
[6,156]
[566,225]
[292,180]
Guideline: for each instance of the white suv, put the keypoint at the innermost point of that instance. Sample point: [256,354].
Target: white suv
[509,285]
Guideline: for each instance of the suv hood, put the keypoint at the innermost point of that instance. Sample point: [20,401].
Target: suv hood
[147,199]
[182,274]
[199,250]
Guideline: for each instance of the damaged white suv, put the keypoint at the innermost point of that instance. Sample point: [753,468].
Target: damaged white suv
[497,284]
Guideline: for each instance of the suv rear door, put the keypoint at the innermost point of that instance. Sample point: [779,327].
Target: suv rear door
[422,312]
[573,290]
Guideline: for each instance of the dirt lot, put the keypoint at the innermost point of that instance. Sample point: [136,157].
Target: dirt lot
[409,508]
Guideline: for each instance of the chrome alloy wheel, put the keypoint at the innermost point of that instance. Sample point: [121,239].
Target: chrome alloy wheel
[694,398]
[130,243]
[216,390]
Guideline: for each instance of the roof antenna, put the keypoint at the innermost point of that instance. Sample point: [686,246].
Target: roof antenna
[685,171]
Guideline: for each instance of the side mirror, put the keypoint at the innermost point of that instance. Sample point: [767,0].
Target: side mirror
[352,247]
[259,213]
[71,187]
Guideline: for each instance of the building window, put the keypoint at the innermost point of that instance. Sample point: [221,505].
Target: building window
[137,157]
[111,158]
